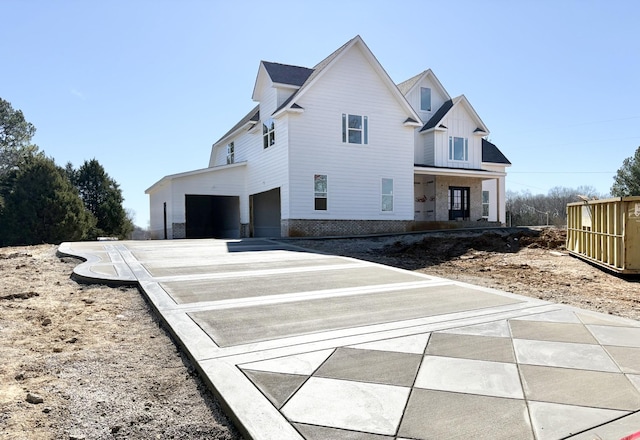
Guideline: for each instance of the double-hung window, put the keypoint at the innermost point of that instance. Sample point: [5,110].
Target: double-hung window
[485,204]
[458,148]
[320,192]
[230,153]
[425,99]
[268,133]
[387,195]
[355,129]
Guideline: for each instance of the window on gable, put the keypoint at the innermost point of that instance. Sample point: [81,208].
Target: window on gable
[320,192]
[458,148]
[425,99]
[268,133]
[230,153]
[387,195]
[355,129]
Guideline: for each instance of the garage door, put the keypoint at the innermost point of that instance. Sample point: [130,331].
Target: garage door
[265,214]
[212,216]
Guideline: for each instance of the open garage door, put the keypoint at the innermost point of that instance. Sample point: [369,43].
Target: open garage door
[212,216]
[265,214]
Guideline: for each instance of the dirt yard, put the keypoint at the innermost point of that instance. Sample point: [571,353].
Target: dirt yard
[527,262]
[91,362]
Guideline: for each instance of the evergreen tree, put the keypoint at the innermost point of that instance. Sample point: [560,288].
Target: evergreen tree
[15,138]
[626,182]
[41,206]
[102,197]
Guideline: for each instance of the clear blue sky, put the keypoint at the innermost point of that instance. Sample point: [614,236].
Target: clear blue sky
[146,87]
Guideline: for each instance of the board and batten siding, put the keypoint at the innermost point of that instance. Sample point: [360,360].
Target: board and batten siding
[354,171]
[428,140]
[460,124]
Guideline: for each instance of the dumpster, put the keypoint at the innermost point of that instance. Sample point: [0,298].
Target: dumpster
[606,232]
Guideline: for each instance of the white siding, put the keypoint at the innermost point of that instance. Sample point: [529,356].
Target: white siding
[428,140]
[354,172]
[283,94]
[460,124]
[157,199]
[437,98]
[219,182]
[497,193]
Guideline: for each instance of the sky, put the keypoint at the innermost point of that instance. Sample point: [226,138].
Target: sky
[146,86]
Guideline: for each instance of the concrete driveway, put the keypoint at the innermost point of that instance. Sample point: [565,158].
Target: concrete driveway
[301,345]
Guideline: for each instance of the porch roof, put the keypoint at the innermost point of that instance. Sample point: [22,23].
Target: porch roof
[457,172]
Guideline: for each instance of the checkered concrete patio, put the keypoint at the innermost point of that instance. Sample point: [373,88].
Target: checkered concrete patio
[301,345]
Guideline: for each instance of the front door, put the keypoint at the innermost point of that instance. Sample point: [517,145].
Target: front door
[459,198]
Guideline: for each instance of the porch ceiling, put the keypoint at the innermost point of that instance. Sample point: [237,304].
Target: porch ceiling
[457,172]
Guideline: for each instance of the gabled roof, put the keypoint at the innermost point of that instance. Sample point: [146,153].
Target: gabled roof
[447,107]
[250,118]
[287,74]
[326,64]
[406,86]
[492,154]
[438,115]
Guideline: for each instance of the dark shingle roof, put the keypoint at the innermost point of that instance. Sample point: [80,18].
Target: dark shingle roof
[252,116]
[492,154]
[287,74]
[437,117]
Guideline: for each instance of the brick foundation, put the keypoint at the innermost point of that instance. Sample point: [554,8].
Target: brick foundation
[179,230]
[328,228]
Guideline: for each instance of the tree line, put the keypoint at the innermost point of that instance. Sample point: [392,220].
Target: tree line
[526,209]
[42,202]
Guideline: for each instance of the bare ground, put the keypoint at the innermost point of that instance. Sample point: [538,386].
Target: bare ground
[105,369]
[527,262]
[95,356]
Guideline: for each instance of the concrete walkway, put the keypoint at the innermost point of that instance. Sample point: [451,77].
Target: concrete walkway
[301,345]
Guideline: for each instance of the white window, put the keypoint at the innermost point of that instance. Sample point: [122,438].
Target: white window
[268,133]
[230,153]
[425,99]
[458,148]
[387,195]
[355,129]
[320,192]
[485,204]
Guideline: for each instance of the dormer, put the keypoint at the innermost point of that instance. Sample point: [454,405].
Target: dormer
[276,83]
[425,93]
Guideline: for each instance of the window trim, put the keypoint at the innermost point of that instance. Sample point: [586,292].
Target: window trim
[388,196]
[465,149]
[486,204]
[421,99]
[363,130]
[231,152]
[318,195]
[268,133]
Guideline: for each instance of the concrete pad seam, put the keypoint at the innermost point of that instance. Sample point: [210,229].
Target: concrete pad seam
[136,267]
[257,273]
[337,338]
[609,423]
[251,411]
[302,296]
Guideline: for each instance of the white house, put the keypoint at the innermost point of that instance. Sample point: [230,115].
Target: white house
[338,149]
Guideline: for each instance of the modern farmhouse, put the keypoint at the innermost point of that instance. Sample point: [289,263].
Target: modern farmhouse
[339,149]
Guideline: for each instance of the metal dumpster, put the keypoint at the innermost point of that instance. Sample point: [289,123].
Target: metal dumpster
[606,232]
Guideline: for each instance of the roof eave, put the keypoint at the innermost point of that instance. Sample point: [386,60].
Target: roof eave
[245,127]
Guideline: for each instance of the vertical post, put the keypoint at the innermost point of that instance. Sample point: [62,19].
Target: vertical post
[165,219]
